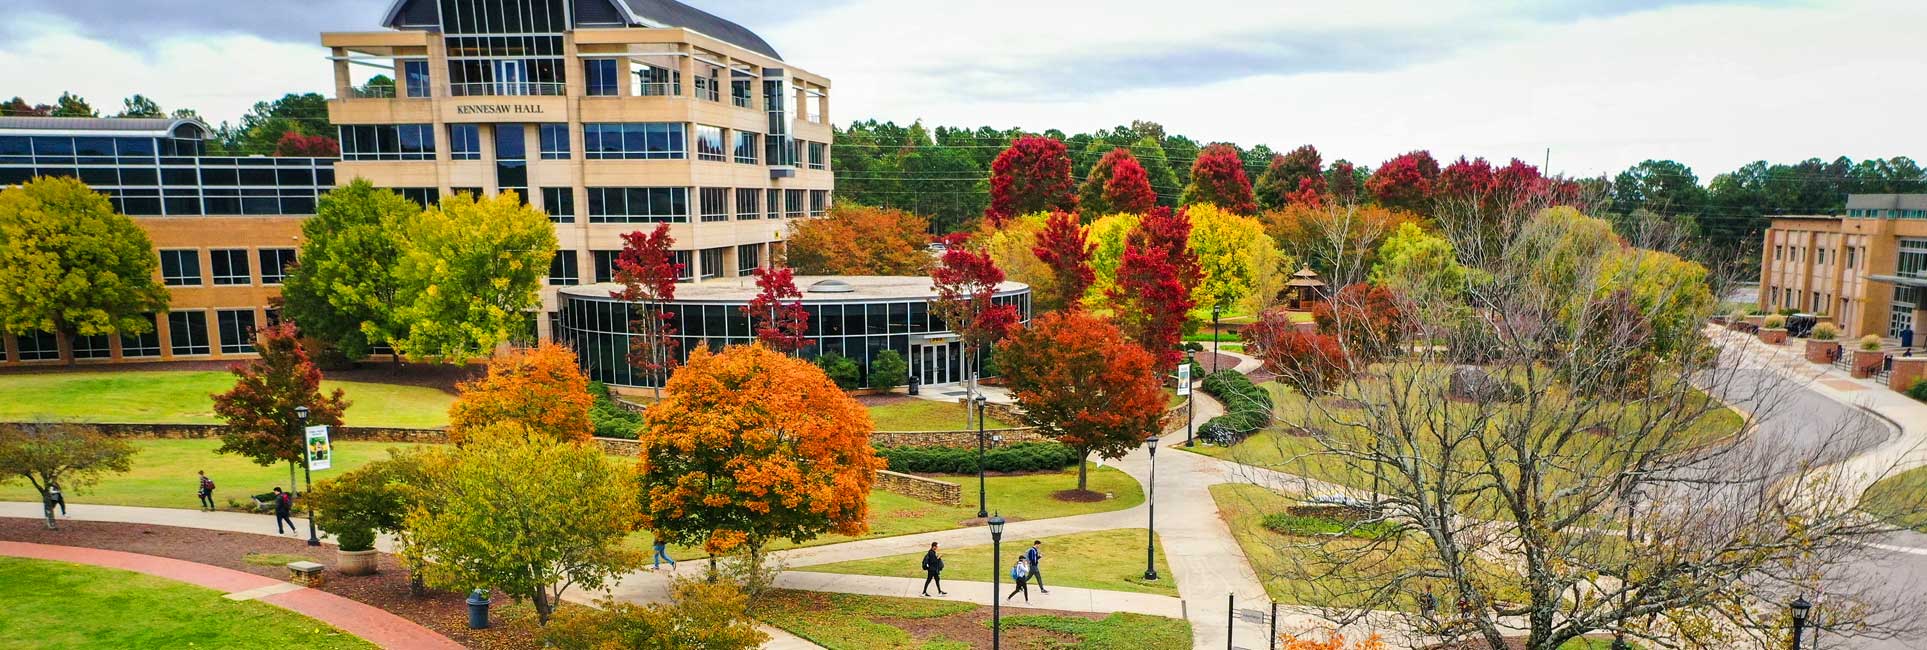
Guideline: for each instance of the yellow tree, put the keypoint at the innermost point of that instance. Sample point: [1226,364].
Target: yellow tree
[1010,247]
[1107,236]
[749,446]
[542,391]
[1235,255]
[72,266]
[470,271]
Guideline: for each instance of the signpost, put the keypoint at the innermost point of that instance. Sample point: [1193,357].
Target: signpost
[321,453]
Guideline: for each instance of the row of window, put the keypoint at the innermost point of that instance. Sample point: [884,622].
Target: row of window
[93,150]
[671,204]
[565,270]
[187,335]
[1889,214]
[226,266]
[199,186]
[600,141]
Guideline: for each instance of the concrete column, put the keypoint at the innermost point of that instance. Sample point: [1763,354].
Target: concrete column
[343,83]
[686,67]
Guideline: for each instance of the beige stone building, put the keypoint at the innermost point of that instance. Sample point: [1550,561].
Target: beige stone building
[1867,269]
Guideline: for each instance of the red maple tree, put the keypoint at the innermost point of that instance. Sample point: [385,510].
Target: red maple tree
[1405,182]
[1155,276]
[1342,182]
[777,314]
[1032,175]
[1117,183]
[1293,178]
[647,270]
[1311,193]
[1218,178]
[1312,363]
[1466,182]
[1365,318]
[1063,247]
[295,145]
[966,282]
[260,410]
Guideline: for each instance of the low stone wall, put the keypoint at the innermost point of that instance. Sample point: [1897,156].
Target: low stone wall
[920,488]
[958,438]
[198,431]
[620,446]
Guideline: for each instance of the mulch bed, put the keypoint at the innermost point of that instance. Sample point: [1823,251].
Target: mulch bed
[1078,496]
[445,613]
[1225,361]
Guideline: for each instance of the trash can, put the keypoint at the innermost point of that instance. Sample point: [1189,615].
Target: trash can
[477,609]
[1907,338]
[913,384]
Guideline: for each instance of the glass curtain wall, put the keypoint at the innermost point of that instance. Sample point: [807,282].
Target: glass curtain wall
[504,47]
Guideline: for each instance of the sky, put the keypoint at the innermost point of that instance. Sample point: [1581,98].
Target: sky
[1600,84]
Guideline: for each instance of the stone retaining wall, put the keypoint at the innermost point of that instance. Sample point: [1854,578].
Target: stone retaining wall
[920,488]
[959,439]
[200,431]
[620,446]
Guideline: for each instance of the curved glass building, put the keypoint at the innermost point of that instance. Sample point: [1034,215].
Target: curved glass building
[856,316]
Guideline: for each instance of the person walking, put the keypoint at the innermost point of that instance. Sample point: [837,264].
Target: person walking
[56,498]
[662,553]
[206,490]
[283,506]
[933,571]
[1020,573]
[1036,557]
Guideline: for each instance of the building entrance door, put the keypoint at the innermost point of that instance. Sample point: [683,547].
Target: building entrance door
[934,364]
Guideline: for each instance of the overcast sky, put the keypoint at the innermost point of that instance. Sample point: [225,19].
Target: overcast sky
[1603,84]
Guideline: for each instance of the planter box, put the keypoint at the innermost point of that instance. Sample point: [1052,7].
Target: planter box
[1907,370]
[1867,362]
[1773,336]
[1718,320]
[1822,351]
[1756,320]
[355,563]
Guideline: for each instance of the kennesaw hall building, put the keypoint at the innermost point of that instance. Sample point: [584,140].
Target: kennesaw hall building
[610,115]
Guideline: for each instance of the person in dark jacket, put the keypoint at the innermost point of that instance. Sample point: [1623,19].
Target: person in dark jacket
[206,491]
[56,498]
[933,571]
[283,507]
[1036,557]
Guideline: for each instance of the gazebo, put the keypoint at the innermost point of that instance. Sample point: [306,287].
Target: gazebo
[1304,288]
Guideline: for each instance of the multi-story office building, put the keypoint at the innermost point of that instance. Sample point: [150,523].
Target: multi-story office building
[226,228]
[611,115]
[1867,269]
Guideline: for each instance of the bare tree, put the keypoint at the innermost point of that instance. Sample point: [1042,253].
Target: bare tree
[57,454]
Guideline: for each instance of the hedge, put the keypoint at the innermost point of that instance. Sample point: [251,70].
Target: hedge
[1247,407]
[611,420]
[1019,457]
[1290,524]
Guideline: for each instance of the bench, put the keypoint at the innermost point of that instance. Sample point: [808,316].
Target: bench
[304,573]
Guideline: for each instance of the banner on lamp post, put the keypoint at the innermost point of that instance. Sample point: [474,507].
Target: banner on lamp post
[321,453]
[1184,380]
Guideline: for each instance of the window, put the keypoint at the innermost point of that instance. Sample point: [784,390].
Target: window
[237,330]
[511,160]
[1852,252]
[601,75]
[511,143]
[562,269]
[712,263]
[714,202]
[749,257]
[181,268]
[187,332]
[793,204]
[275,263]
[708,87]
[709,142]
[559,202]
[145,344]
[739,92]
[819,202]
[744,146]
[605,265]
[93,347]
[388,142]
[472,192]
[817,158]
[414,73]
[685,265]
[652,81]
[464,142]
[775,204]
[424,196]
[748,202]
[273,316]
[555,141]
[638,205]
[230,266]
[634,141]
[38,346]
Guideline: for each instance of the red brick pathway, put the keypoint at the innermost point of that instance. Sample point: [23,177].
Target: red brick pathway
[370,623]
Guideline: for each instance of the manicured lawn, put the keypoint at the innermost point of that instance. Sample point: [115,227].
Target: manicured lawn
[926,415]
[1297,570]
[183,397]
[1017,498]
[48,605]
[1105,559]
[853,622]
[1901,499]
[163,475]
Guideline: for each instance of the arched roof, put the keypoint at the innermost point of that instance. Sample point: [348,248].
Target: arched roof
[642,13]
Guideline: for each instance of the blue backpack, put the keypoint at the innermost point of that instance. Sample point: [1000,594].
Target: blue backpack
[1020,570]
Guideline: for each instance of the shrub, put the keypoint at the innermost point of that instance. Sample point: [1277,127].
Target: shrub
[1289,524]
[841,369]
[1825,332]
[1247,407]
[1740,314]
[356,539]
[611,420]
[1774,322]
[1918,390]
[1870,342]
[889,370]
[1019,457]
[1786,311]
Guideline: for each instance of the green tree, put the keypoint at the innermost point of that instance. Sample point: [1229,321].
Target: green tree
[529,515]
[1665,187]
[72,105]
[140,106]
[373,498]
[843,370]
[1418,263]
[71,265]
[889,370]
[263,125]
[70,456]
[343,291]
[469,270]
[1161,165]
[699,616]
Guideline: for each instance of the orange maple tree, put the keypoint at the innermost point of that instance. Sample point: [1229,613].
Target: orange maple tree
[1082,383]
[541,389]
[749,446]
[860,240]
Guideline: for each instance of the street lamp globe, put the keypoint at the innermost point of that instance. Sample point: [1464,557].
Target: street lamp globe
[1152,444]
[996,528]
[1800,607]
[301,413]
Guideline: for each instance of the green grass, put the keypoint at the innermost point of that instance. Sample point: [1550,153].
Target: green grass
[1105,559]
[274,559]
[1900,499]
[47,605]
[163,475]
[1017,498]
[926,415]
[1290,524]
[183,397]
[854,622]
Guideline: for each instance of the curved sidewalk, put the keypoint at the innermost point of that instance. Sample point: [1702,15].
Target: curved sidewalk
[371,624]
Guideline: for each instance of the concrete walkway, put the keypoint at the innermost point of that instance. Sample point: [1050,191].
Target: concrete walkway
[370,623]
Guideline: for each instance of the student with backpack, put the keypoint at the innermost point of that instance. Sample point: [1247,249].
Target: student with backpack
[1020,572]
[56,498]
[283,506]
[206,491]
[1036,558]
[933,571]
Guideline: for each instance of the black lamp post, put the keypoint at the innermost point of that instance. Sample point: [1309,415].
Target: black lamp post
[1800,607]
[1151,523]
[996,586]
[307,479]
[981,500]
[1215,333]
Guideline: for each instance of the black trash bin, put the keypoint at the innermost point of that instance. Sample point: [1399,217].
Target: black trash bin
[913,384]
[1907,338]
[477,609]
